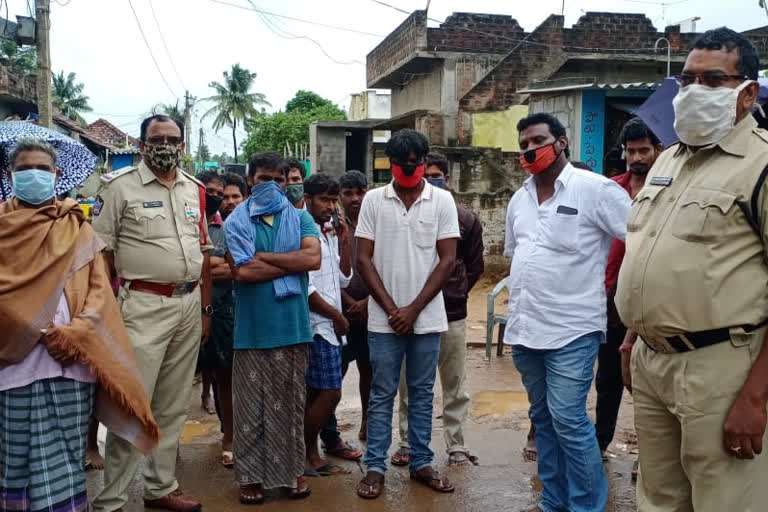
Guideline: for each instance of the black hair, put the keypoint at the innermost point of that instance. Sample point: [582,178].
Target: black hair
[230,178]
[439,161]
[296,164]
[581,165]
[556,128]
[728,40]
[637,130]
[209,176]
[160,118]
[353,179]
[268,160]
[404,142]
[321,183]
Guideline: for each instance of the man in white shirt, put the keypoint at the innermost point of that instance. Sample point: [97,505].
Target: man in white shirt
[326,319]
[406,235]
[559,229]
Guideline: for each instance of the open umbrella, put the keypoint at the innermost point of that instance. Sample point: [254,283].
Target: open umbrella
[74,159]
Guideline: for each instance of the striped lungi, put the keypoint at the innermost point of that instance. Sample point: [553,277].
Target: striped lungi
[269,395]
[43,431]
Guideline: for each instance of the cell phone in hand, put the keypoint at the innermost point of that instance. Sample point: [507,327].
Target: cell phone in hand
[335,219]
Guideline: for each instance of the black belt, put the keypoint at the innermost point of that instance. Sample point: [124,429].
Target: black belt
[701,339]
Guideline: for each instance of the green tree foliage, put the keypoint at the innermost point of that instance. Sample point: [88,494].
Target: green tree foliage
[273,131]
[174,111]
[22,61]
[68,97]
[306,101]
[233,102]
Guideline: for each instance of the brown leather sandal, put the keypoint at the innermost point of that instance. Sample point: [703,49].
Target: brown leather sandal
[371,486]
[432,479]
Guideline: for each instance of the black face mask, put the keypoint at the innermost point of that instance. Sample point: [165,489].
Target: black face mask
[212,204]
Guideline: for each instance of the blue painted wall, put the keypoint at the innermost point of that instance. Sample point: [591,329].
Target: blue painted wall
[593,128]
[120,161]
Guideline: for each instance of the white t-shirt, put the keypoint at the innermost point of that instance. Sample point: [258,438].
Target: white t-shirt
[405,250]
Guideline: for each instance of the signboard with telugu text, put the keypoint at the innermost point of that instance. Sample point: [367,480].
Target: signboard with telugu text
[593,128]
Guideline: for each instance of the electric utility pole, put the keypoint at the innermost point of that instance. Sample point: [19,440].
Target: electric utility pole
[43,29]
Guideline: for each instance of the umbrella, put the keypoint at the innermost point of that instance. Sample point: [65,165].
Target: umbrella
[658,114]
[74,159]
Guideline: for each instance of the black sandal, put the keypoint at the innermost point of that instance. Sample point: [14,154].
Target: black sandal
[249,497]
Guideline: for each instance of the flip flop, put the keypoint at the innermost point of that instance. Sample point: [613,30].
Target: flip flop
[344,451]
[462,459]
[227,459]
[402,457]
[313,473]
[331,470]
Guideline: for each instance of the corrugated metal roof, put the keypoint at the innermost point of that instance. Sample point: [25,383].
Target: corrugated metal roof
[630,85]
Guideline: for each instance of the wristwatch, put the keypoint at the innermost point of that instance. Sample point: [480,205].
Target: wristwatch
[208,310]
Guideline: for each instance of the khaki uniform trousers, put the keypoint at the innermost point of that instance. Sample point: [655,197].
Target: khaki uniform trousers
[681,402]
[165,332]
[451,366]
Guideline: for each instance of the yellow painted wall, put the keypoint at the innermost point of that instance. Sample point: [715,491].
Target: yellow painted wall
[498,129]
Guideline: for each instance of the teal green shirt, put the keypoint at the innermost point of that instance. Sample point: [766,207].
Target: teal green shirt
[261,320]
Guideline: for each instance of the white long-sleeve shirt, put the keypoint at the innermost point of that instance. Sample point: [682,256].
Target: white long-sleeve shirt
[328,282]
[559,251]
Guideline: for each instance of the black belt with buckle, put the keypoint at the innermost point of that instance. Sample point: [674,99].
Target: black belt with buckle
[701,339]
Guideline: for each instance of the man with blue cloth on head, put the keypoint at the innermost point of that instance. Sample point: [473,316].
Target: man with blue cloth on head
[270,247]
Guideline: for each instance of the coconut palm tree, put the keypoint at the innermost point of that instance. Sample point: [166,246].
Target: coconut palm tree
[68,97]
[233,103]
[21,61]
[171,110]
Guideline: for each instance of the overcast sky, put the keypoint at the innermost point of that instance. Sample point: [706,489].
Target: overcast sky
[101,42]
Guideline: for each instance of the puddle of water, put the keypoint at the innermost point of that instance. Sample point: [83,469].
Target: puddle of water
[499,403]
[196,429]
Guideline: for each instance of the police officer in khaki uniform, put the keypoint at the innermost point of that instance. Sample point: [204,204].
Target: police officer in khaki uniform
[694,287]
[154,226]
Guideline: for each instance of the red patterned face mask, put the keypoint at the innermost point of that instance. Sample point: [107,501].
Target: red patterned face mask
[408,176]
[539,159]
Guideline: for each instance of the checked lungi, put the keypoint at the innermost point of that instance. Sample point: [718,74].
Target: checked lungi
[43,430]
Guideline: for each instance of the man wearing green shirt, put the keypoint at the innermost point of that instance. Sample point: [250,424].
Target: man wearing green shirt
[271,246]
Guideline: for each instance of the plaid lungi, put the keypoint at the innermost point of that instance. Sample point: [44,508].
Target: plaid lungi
[324,370]
[43,430]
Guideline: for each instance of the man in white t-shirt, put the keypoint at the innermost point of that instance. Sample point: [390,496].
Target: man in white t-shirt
[407,234]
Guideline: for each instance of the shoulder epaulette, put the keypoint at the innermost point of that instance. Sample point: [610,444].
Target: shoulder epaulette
[112,176]
[200,183]
[763,134]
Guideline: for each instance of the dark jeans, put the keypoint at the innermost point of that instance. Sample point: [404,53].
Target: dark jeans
[609,386]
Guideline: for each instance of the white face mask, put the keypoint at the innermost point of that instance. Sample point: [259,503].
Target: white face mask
[705,115]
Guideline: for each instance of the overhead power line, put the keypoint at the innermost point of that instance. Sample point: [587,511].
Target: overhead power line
[280,32]
[149,48]
[165,45]
[319,24]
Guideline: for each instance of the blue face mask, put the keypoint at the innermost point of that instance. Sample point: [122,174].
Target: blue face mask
[437,182]
[34,186]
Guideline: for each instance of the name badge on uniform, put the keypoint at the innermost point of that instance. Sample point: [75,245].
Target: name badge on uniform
[661,181]
[153,204]
[566,210]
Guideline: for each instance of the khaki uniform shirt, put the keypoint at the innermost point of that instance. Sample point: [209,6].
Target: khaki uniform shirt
[153,231]
[693,261]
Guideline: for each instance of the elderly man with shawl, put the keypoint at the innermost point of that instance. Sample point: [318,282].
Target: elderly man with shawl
[64,349]
[271,246]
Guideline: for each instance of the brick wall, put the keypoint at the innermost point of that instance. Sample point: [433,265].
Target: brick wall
[398,47]
[469,32]
[484,179]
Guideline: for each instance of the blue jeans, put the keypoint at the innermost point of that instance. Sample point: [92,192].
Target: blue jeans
[570,466]
[387,351]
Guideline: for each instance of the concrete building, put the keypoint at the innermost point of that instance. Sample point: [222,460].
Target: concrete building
[466,83]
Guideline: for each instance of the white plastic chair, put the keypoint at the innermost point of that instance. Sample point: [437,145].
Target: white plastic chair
[492,319]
